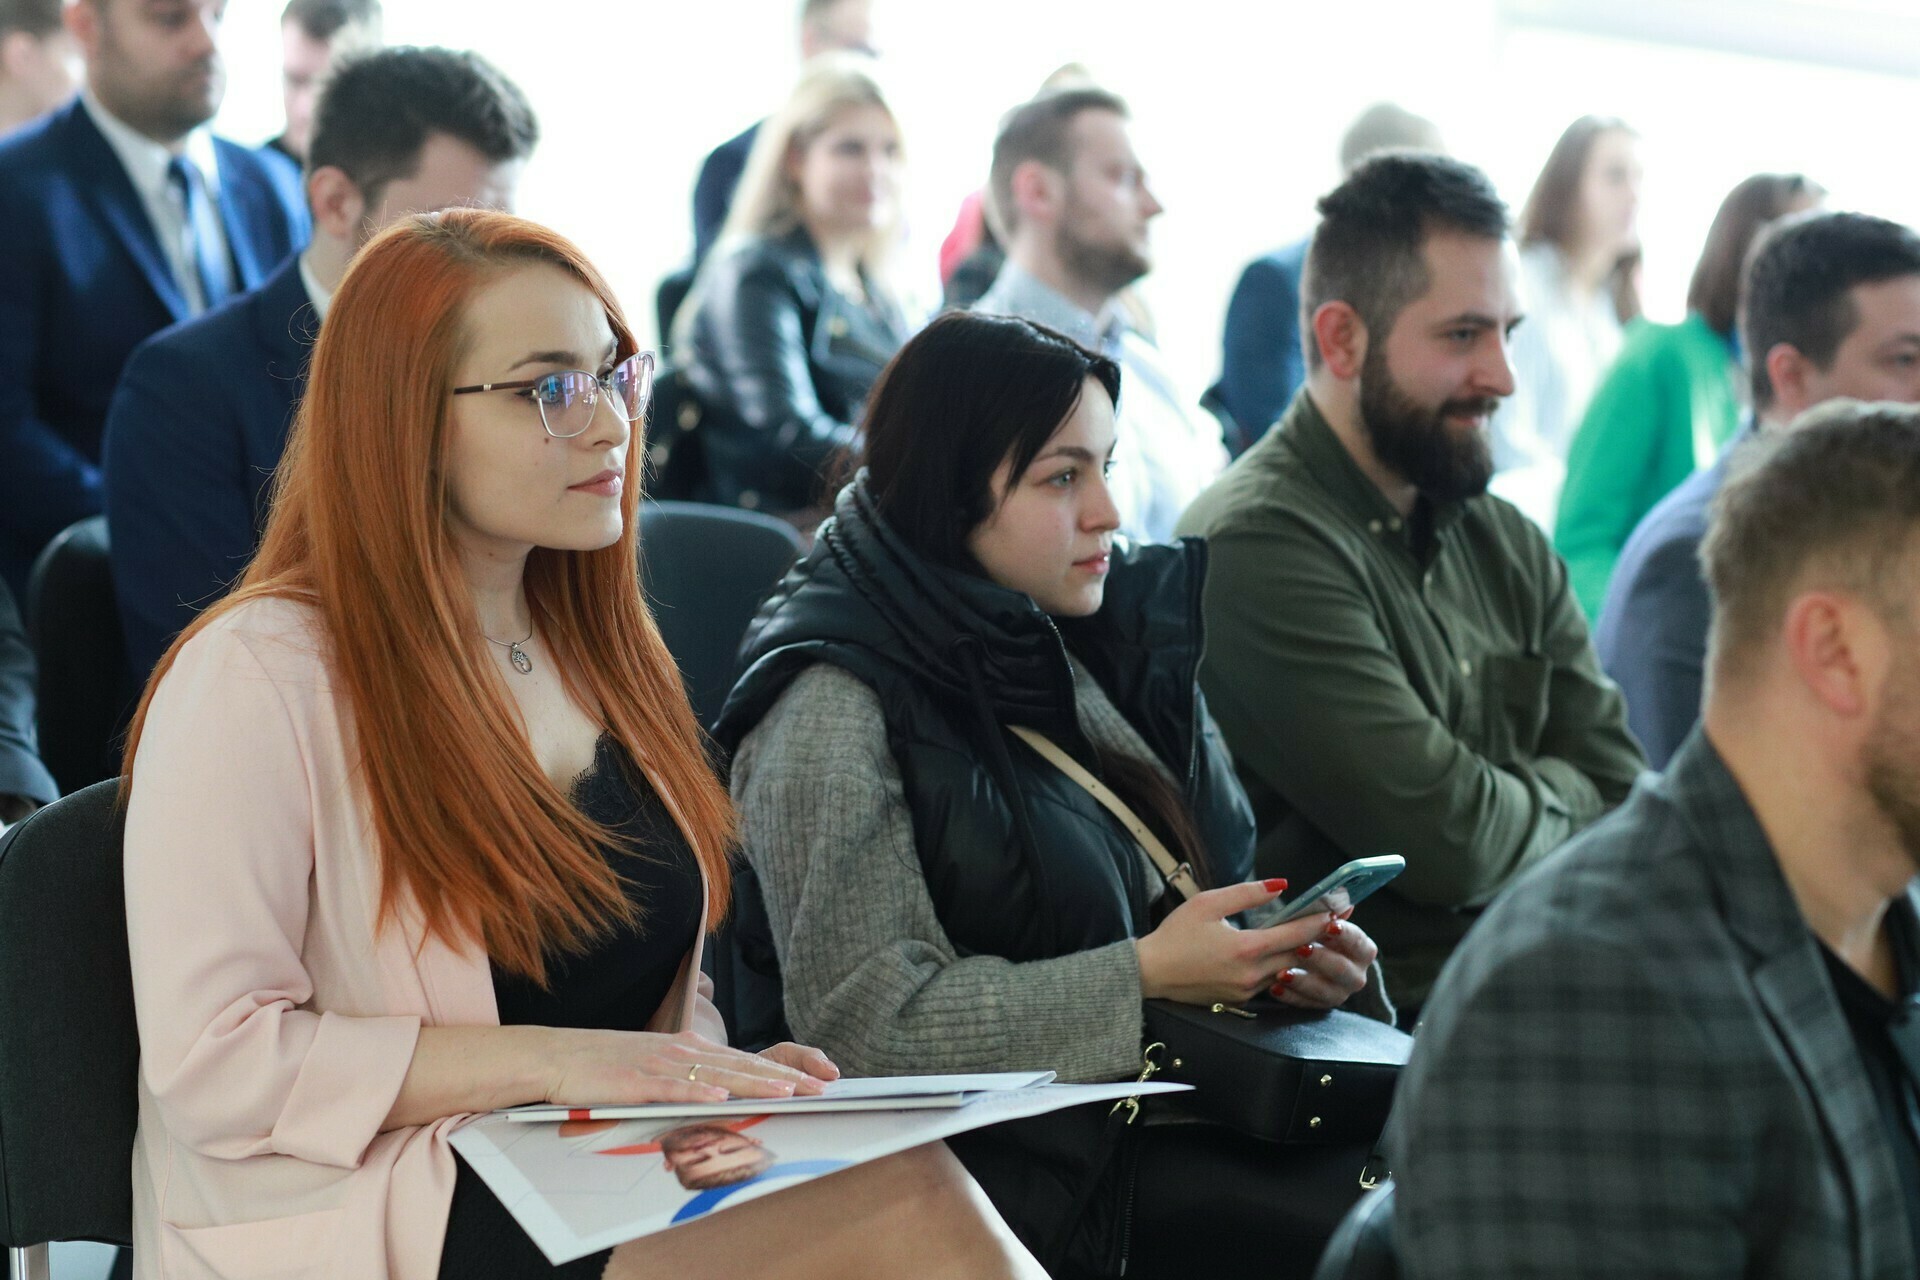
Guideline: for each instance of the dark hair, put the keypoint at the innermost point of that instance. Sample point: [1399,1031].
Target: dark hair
[379,108]
[1553,206]
[1837,496]
[1367,251]
[1038,130]
[324,19]
[1800,279]
[966,393]
[37,18]
[1714,291]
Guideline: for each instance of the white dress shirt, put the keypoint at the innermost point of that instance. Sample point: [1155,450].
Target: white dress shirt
[319,297]
[1168,449]
[146,164]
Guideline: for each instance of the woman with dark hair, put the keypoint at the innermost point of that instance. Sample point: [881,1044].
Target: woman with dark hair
[939,895]
[1579,259]
[1672,398]
[420,824]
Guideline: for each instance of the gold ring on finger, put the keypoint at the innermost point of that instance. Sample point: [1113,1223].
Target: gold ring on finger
[693,1073]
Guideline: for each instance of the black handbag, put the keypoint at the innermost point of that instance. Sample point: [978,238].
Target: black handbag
[1267,1070]
[1282,1074]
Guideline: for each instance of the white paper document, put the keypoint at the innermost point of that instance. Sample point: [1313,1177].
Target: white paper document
[869,1093]
[583,1185]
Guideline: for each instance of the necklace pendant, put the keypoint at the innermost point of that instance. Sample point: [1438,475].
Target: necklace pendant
[521,662]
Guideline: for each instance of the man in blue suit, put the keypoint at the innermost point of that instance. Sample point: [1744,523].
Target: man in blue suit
[201,416]
[1262,362]
[122,214]
[1830,309]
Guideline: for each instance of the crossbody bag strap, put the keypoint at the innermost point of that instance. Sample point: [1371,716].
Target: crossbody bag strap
[1178,875]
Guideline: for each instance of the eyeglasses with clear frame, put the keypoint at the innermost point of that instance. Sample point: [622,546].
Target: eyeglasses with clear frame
[568,398]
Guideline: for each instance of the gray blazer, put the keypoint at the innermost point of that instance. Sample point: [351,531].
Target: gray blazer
[1636,1066]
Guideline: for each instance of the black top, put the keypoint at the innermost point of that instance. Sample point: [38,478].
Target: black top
[1887,1034]
[620,983]
[616,986]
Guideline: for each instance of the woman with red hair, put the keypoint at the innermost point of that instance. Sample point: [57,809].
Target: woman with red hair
[420,823]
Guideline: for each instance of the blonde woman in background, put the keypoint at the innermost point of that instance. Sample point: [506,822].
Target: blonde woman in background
[795,313]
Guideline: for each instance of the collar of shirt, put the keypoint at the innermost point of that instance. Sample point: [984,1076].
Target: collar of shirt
[319,297]
[146,160]
[1018,292]
[1335,471]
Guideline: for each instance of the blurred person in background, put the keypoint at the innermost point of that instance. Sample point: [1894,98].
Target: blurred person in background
[1262,362]
[797,310]
[39,62]
[1071,196]
[972,255]
[122,214]
[1672,398]
[25,784]
[826,26]
[1830,309]
[313,35]
[1579,263]
[200,418]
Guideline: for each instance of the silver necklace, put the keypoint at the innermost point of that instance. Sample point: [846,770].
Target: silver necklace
[515,654]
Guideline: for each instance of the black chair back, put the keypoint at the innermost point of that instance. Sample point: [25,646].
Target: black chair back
[705,570]
[69,1049]
[1362,1248]
[85,693]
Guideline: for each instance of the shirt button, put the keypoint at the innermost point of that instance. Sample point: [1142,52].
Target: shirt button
[1394,524]
[1466,668]
[1373,526]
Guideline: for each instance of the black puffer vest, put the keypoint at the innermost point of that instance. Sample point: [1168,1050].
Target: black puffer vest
[1021,862]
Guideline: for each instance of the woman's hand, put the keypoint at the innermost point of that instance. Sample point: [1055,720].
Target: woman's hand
[1196,957]
[804,1058]
[1329,969]
[640,1066]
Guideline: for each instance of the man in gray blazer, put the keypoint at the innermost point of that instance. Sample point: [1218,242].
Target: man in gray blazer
[1687,1046]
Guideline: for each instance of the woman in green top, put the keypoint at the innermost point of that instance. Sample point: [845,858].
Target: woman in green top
[1671,399]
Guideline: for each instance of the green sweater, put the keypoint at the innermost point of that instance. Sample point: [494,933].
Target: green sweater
[1660,414]
[1422,687]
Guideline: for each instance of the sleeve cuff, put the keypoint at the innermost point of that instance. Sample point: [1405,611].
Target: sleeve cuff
[347,1084]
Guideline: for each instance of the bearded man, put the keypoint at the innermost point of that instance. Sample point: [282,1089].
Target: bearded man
[1393,654]
[1069,199]
[120,214]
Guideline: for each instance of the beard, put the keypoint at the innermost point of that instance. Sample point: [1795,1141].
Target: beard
[1892,756]
[1414,440]
[1107,267]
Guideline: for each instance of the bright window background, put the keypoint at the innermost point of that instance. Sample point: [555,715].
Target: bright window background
[1238,105]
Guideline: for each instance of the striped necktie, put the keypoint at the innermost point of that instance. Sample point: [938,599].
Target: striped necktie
[203,233]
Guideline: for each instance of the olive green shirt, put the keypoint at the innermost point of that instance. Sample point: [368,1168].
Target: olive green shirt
[1419,686]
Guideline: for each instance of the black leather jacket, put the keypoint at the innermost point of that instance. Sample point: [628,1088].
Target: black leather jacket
[781,363]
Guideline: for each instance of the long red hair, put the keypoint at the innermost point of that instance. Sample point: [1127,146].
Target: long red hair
[467,823]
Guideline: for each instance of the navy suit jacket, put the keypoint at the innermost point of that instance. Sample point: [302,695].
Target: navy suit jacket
[82,281]
[195,432]
[1262,364]
[713,190]
[1652,632]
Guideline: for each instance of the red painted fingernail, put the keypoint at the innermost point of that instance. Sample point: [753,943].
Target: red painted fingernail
[1305,951]
[1276,886]
[1286,979]
[1333,928]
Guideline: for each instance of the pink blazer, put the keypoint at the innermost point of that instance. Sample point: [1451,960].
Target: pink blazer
[276,1026]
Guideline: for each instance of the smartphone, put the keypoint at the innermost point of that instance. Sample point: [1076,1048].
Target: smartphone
[1345,888]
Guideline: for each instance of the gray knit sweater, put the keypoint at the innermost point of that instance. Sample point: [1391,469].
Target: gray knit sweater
[870,975]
